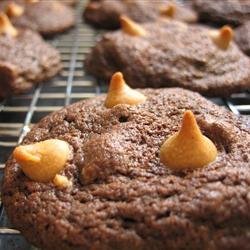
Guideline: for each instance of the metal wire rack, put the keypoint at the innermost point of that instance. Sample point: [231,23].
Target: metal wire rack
[19,113]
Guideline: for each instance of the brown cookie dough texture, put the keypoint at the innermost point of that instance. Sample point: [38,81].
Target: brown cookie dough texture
[165,54]
[234,12]
[22,64]
[70,2]
[114,192]
[242,37]
[106,13]
[45,17]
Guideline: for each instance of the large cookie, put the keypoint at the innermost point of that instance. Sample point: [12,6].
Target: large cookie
[106,13]
[242,37]
[169,54]
[25,59]
[233,12]
[132,200]
[46,17]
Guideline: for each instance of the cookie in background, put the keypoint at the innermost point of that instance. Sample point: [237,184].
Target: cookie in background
[242,37]
[46,17]
[106,13]
[171,53]
[23,65]
[233,12]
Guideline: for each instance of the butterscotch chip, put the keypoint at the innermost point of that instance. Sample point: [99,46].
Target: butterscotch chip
[43,160]
[14,10]
[6,27]
[62,181]
[169,10]
[223,37]
[120,93]
[131,28]
[188,148]
[32,1]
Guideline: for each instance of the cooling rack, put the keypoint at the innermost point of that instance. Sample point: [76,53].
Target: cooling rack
[18,114]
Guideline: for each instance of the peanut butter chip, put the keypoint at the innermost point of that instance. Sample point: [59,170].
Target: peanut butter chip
[32,1]
[169,10]
[131,28]
[188,148]
[120,93]
[6,27]
[43,160]
[14,10]
[223,37]
[61,181]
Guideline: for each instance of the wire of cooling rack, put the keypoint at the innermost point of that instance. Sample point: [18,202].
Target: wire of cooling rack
[19,113]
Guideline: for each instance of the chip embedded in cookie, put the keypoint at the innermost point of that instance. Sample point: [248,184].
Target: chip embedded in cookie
[91,177]
[22,65]
[171,53]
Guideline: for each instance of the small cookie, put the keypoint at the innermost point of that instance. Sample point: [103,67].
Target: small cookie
[45,17]
[110,187]
[234,12]
[242,37]
[25,59]
[171,53]
[106,13]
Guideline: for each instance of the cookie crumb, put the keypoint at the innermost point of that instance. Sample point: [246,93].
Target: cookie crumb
[61,181]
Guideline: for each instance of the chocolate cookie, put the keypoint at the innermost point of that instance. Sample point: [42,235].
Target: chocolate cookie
[106,13]
[25,59]
[70,2]
[221,12]
[164,54]
[46,17]
[114,193]
[242,37]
